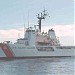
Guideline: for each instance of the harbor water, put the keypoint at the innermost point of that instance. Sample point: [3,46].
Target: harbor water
[38,66]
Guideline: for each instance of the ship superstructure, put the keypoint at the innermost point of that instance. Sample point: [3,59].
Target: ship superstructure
[35,37]
[36,44]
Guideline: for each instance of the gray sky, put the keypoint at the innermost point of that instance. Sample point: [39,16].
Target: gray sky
[13,13]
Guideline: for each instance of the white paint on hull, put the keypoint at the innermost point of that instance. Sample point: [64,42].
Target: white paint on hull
[20,50]
[24,51]
[2,54]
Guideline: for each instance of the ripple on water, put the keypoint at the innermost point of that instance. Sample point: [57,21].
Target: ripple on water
[38,66]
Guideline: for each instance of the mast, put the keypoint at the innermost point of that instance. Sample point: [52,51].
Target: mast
[40,17]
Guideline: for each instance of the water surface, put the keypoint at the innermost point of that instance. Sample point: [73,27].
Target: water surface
[38,66]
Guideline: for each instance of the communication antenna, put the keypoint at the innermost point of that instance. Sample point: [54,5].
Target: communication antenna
[28,19]
[42,16]
[18,35]
[24,28]
[24,24]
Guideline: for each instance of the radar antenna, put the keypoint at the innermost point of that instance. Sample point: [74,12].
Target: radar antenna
[42,16]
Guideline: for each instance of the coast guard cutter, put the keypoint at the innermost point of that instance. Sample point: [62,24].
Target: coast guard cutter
[36,44]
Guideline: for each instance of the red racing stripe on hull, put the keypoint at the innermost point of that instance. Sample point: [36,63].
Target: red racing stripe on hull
[6,50]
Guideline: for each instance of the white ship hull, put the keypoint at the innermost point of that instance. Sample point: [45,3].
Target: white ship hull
[20,50]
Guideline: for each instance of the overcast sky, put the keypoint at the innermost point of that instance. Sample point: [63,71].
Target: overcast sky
[13,14]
